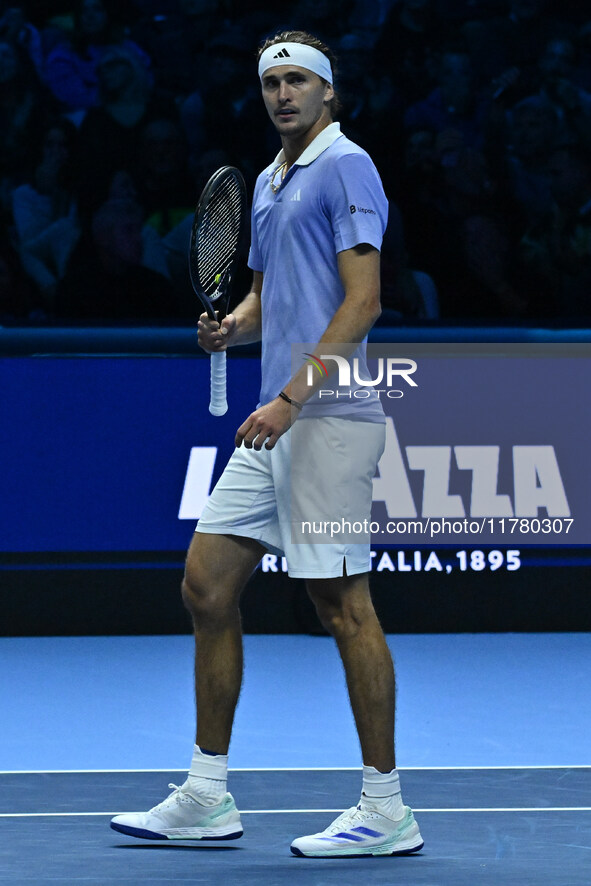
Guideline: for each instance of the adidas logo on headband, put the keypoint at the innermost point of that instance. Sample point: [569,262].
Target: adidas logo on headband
[298,54]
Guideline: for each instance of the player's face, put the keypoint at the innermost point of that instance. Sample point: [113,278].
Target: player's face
[297,101]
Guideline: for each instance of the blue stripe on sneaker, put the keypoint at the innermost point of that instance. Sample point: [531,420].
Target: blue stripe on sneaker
[346,836]
[368,832]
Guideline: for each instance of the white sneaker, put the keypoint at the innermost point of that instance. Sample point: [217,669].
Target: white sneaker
[182,817]
[362,830]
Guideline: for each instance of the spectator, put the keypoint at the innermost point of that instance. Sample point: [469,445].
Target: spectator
[408,47]
[318,17]
[44,209]
[472,175]
[232,105]
[176,42]
[455,104]
[122,187]
[106,280]
[365,19]
[71,67]
[561,84]
[22,107]
[456,229]
[418,196]
[556,251]
[110,133]
[515,40]
[15,29]
[406,294]
[367,98]
[477,274]
[570,175]
[164,186]
[534,129]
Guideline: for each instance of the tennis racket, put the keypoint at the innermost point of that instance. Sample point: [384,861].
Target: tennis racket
[218,227]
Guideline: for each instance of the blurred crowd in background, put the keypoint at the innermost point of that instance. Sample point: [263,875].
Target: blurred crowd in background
[477,114]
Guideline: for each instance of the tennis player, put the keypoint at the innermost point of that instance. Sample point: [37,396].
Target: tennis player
[319,214]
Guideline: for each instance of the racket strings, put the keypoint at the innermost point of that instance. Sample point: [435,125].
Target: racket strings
[218,234]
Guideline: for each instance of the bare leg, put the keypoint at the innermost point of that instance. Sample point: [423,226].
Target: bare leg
[345,609]
[218,567]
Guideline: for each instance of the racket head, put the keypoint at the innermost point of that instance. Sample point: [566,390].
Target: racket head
[216,234]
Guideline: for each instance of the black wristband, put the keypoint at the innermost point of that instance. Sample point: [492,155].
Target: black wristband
[289,400]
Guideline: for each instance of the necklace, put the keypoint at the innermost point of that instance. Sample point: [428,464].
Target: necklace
[280,170]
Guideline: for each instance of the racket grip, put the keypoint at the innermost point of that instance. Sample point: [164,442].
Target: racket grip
[218,405]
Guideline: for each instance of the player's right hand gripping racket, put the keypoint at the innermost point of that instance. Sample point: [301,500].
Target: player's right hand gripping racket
[217,231]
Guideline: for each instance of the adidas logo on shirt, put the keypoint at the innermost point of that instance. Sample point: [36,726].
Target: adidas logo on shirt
[297,196]
[283,53]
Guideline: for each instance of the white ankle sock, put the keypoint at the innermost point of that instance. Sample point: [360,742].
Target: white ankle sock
[207,777]
[382,790]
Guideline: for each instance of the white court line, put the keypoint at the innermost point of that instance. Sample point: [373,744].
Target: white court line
[296,769]
[310,811]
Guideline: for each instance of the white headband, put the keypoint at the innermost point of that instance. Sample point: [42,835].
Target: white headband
[299,54]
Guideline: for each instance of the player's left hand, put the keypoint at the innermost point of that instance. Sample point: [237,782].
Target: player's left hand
[265,425]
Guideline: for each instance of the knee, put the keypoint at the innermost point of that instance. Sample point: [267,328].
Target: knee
[208,605]
[337,617]
[344,606]
[194,597]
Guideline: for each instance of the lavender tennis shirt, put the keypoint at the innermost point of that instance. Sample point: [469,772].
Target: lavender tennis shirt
[331,199]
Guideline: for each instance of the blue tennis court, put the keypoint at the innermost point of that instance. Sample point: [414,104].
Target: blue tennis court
[493,746]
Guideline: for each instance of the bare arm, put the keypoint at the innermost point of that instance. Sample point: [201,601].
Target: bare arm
[239,328]
[359,270]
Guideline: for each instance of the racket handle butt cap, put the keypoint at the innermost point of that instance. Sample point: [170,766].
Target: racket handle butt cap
[218,408]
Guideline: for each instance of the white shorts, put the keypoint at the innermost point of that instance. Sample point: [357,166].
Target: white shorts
[320,471]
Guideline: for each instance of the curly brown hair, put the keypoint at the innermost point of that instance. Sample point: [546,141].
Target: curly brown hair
[308,40]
